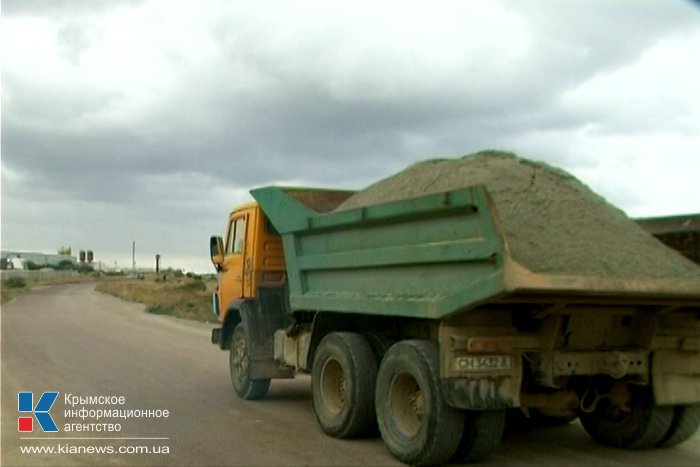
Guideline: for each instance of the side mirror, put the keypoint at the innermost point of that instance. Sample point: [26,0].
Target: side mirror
[216,250]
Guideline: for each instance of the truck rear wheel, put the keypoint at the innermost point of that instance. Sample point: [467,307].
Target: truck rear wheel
[686,419]
[379,344]
[642,425]
[239,365]
[414,419]
[483,430]
[342,384]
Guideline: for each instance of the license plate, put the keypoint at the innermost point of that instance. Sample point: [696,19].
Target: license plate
[484,362]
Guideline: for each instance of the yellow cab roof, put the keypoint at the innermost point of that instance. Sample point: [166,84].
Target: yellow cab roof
[248,205]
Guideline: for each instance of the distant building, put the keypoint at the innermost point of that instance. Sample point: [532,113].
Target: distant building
[16,262]
[21,259]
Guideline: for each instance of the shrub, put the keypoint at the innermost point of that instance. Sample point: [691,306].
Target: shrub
[193,286]
[84,268]
[65,265]
[159,309]
[14,282]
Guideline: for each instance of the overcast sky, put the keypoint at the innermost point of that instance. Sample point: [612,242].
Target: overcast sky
[148,120]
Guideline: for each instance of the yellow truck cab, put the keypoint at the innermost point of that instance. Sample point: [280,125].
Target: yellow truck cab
[249,261]
[251,257]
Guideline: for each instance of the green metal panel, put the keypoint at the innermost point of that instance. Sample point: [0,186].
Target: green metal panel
[425,257]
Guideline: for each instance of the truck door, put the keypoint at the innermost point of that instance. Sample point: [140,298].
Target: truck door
[231,278]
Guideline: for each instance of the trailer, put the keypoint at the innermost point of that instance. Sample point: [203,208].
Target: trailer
[681,233]
[413,317]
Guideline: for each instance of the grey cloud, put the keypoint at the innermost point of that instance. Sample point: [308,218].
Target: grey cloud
[62,7]
[74,37]
[248,115]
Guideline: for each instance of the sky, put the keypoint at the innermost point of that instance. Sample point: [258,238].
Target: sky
[146,121]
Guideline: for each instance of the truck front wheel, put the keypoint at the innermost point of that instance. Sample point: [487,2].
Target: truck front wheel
[639,424]
[342,384]
[414,419]
[239,365]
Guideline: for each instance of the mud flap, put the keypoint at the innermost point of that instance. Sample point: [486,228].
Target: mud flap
[216,336]
[483,392]
[261,318]
[675,376]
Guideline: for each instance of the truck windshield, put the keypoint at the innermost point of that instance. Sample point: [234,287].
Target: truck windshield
[236,239]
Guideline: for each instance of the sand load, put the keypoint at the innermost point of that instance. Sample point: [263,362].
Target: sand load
[552,222]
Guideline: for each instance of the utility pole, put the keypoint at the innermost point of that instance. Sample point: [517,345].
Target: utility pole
[133,256]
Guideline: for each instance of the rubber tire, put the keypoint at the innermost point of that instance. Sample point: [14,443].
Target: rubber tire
[346,412]
[380,345]
[483,430]
[642,428]
[434,434]
[246,388]
[686,419]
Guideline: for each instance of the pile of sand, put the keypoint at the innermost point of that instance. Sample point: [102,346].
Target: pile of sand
[552,222]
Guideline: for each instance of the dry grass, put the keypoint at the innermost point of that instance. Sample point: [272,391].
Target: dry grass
[13,287]
[183,297]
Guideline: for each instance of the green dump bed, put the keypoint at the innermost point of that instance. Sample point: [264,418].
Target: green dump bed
[430,257]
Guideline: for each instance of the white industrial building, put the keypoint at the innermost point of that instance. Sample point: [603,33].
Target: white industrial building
[20,259]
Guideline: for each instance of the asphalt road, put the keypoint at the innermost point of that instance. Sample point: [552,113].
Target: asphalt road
[78,342]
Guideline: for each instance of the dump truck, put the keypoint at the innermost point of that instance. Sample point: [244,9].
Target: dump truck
[679,232]
[414,319]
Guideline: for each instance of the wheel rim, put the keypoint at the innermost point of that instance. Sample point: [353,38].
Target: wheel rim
[239,359]
[407,404]
[634,424]
[333,385]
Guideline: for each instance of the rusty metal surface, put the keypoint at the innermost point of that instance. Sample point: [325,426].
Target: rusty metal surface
[681,233]
[320,200]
